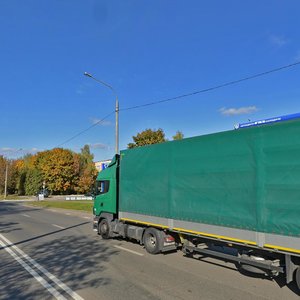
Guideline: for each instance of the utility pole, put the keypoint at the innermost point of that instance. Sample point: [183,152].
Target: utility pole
[117,126]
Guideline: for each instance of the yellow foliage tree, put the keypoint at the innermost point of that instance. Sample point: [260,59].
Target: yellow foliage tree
[59,170]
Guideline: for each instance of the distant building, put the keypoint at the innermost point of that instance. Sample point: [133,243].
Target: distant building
[102,164]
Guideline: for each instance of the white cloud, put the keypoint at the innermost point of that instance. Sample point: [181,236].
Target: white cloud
[237,111]
[99,122]
[17,152]
[7,150]
[99,146]
[10,152]
[278,40]
[297,57]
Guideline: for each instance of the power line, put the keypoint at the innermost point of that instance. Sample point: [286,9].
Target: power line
[85,130]
[211,88]
[185,95]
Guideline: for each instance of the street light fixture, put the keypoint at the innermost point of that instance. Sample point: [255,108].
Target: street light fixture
[116,108]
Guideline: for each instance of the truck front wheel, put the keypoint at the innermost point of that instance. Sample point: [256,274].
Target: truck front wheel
[153,240]
[103,229]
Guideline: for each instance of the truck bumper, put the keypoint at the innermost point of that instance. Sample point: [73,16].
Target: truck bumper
[95,223]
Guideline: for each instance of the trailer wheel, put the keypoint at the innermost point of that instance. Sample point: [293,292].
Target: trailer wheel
[153,240]
[297,277]
[103,229]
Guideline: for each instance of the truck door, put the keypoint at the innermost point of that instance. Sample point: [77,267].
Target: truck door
[106,190]
[104,200]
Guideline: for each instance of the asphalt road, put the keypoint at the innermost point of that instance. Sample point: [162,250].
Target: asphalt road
[46,254]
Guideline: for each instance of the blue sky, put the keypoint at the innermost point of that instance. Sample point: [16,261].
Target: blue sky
[148,51]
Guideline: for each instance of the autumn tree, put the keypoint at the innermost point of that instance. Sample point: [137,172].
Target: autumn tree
[62,170]
[33,181]
[29,175]
[178,136]
[148,137]
[58,170]
[9,165]
[87,171]
[20,176]
[12,177]
[2,173]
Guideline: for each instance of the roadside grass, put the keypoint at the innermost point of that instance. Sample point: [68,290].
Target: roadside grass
[76,205]
[15,197]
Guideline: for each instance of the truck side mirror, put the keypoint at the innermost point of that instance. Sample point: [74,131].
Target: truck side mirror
[92,192]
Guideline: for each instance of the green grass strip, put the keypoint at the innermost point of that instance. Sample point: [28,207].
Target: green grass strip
[76,205]
[15,197]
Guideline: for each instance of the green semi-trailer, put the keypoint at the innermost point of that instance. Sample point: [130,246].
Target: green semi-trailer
[234,195]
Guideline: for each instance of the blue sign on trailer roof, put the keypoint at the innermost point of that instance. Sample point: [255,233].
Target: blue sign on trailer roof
[267,121]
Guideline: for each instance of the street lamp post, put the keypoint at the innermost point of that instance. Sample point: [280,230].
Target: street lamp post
[116,108]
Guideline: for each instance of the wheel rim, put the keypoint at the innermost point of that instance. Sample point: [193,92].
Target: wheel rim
[152,241]
[104,228]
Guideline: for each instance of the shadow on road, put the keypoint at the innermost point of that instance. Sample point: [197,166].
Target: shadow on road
[17,284]
[78,261]
[14,208]
[280,280]
[6,227]
[46,234]
[75,260]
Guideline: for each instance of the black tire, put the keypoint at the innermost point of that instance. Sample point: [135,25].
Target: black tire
[104,229]
[153,240]
[187,253]
[297,277]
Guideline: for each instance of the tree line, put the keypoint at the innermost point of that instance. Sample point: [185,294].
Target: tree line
[62,171]
[152,136]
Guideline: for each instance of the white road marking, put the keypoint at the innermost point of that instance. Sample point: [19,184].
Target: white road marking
[58,226]
[53,210]
[59,283]
[87,218]
[67,214]
[26,215]
[128,250]
[40,279]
